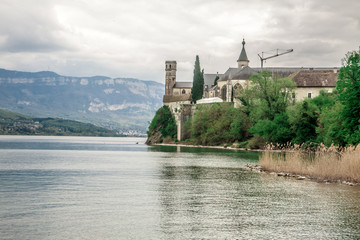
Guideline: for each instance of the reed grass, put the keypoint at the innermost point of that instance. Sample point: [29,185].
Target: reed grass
[322,163]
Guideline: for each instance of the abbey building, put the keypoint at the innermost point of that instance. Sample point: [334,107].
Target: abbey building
[309,82]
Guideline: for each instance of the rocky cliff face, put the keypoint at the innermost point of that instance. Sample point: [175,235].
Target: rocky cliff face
[124,104]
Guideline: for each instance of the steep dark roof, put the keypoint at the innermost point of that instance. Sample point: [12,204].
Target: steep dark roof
[209,79]
[243,55]
[238,73]
[315,78]
[183,85]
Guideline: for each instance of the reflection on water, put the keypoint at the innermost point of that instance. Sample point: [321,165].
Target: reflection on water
[232,203]
[105,188]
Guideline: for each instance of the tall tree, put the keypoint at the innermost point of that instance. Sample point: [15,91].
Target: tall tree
[198,81]
[348,87]
[216,80]
[267,95]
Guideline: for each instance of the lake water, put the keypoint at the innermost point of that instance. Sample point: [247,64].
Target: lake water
[113,188]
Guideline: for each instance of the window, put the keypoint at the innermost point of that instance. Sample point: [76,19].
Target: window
[309,95]
[183,91]
[223,93]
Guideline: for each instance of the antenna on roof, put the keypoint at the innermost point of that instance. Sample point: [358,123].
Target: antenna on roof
[279,52]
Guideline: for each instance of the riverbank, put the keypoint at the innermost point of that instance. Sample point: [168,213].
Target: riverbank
[324,165]
[212,147]
[259,169]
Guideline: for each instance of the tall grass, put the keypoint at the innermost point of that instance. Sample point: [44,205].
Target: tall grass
[323,163]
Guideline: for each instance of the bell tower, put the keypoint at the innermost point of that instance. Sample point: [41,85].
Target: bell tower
[170,77]
[243,60]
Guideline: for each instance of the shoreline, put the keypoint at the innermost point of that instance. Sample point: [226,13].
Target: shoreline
[211,147]
[258,168]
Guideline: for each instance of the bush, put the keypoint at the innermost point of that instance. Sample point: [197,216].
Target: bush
[219,123]
[303,118]
[165,122]
[275,131]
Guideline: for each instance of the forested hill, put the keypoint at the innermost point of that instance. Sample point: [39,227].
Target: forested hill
[122,104]
[18,124]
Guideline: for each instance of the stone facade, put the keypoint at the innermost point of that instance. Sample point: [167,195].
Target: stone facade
[175,91]
[170,76]
[310,92]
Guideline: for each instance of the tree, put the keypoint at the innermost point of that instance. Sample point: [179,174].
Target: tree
[218,123]
[267,95]
[303,118]
[216,80]
[164,122]
[348,87]
[330,130]
[198,81]
[275,131]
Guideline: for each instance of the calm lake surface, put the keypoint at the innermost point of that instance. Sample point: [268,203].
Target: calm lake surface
[113,188]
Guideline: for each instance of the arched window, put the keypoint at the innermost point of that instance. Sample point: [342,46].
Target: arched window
[223,93]
[183,91]
[237,89]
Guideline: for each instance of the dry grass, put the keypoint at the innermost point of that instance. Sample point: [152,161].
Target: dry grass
[323,163]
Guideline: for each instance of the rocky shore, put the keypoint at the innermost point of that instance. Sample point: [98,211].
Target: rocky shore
[259,169]
[201,146]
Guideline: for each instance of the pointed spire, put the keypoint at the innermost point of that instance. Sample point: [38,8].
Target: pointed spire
[243,56]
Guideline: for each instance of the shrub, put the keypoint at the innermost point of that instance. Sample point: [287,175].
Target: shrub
[164,122]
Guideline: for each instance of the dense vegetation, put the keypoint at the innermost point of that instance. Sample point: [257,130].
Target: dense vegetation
[269,114]
[162,126]
[198,81]
[18,124]
[217,123]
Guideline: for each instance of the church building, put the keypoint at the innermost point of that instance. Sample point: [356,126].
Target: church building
[309,81]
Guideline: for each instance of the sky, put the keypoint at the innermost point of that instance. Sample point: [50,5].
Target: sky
[134,38]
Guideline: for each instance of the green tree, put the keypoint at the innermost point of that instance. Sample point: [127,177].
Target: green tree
[198,81]
[218,123]
[330,130]
[216,80]
[303,118]
[348,87]
[267,96]
[275,131]
[164,122]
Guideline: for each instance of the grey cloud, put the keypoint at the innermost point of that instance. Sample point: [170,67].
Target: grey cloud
[134,38]
[25,27]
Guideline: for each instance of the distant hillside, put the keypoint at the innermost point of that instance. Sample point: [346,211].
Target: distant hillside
[123,104]
[18,124]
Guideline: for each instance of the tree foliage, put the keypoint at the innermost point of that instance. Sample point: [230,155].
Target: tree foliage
[218,123]
[164,122]
[303,118]
[216,80]
[267,95]
[277,130]
[198,81]
[348,87]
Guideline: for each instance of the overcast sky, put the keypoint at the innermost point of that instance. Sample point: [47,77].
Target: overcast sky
[133,38]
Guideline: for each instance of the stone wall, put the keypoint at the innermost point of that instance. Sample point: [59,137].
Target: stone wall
[181,91]
[167,99]
[182,112]
[302,93]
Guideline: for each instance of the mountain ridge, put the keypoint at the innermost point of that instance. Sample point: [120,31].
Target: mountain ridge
[123,104]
